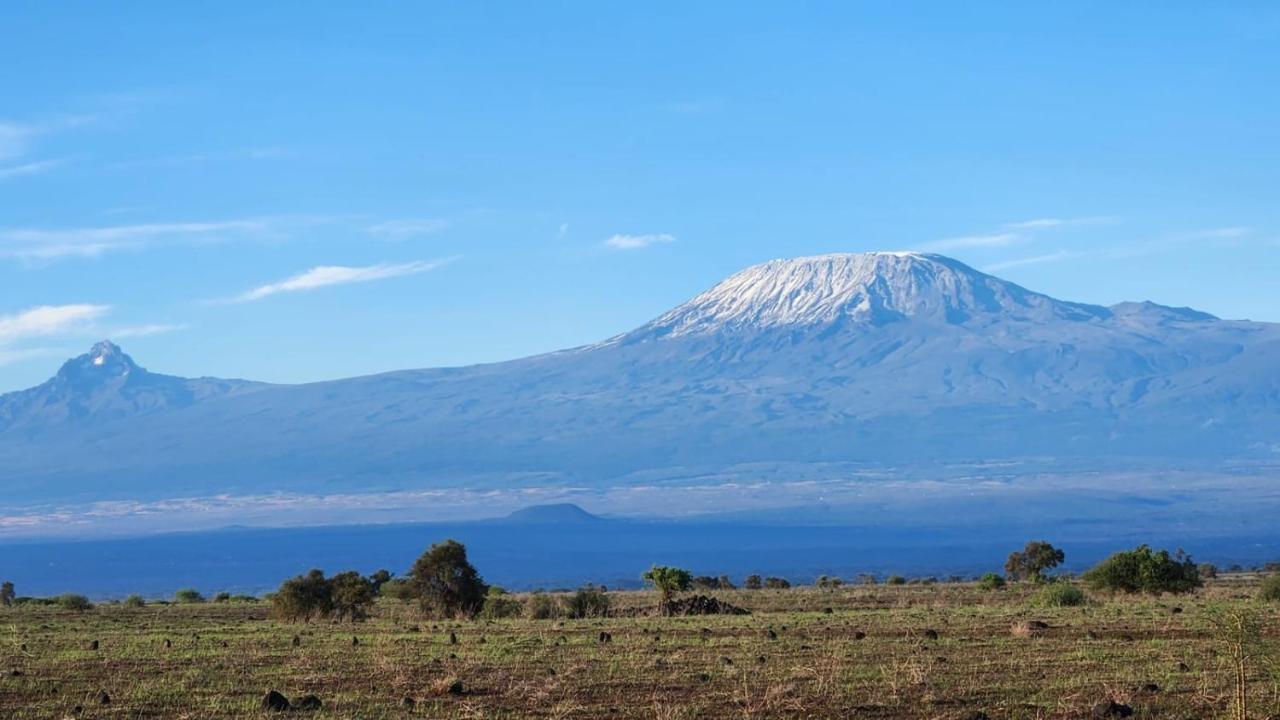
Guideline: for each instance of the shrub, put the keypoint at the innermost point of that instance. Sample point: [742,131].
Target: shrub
[991,581]
[826,582]
[1058,594]
[303,598]
[222,597]
[895,580]
[397,589]
[498,604]
[777,583]
[542,607]
[74,602]
[867,579]
[1270,591]
[588,602]
[134,601]
[1207,571]
[188,596]
[1145,570]
[1030,564]
[753,582]
[446,583]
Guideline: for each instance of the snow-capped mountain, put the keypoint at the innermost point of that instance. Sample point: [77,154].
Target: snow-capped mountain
[899,359]
[867,289]
[105,384]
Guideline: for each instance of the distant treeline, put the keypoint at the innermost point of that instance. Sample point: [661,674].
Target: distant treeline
[444,583]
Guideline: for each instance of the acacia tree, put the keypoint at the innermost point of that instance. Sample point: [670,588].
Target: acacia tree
[667,581]
[351,595]
[303,598]
[446,583]
[1032,561]
[1143,570]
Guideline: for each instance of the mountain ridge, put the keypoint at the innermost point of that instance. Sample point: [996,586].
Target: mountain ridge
[902,359]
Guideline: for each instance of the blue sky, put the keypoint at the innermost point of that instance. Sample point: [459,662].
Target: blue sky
[292,191]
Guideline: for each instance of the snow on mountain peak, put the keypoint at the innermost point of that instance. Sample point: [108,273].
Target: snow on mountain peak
[104,360]
[874,288]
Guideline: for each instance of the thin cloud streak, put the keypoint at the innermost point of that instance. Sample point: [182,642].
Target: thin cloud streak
[328,275]
[143,331]
[45,320]
[403,229]
[37,243]
[974,241]
[31,168]
[1033,260]
[636,242]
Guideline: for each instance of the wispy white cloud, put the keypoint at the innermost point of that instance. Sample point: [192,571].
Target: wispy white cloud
[1046,223]
[563,231]
[636,242]
[327,275]
[46,244]
[31,168]
[15,139]
[46,320]
[403,229]
[1033,260]
[975,241]
[142,331]
[9,356]
[1222,233]
[1036,224]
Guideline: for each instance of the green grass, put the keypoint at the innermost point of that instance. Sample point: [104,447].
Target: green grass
[655,667]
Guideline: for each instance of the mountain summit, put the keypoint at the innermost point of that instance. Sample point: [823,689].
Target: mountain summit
[104,362]
[789,369]
[103,384]
[871,289]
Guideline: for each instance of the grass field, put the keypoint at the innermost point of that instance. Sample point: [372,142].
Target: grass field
[851,652]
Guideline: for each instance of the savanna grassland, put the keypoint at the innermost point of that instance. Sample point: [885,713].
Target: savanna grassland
[911,651]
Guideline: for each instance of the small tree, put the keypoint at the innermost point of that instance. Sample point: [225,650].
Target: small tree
[352,595]
[378,579]
[753,582]
[777,583]
[1030,564]
[303,598]
[705,582]
[1146,571]
[188,596]
[667,581]
[7,594]
[446,582]
[1208,571]
[134,601]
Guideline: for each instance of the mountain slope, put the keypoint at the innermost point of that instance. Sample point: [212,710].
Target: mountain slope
[105,384]
[787,367]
